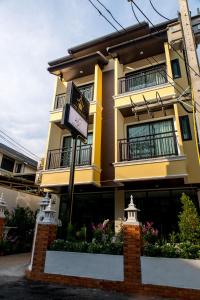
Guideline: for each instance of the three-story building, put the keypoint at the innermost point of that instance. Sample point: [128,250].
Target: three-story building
[141,137]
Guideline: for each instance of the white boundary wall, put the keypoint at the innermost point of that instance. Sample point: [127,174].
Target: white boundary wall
[89,265]
[14,198]
[174,272]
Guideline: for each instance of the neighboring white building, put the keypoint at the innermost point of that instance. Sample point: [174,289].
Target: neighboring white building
[17,179]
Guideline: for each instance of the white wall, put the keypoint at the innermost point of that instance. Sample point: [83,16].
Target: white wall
[174,272]
[98,266]
[14,198]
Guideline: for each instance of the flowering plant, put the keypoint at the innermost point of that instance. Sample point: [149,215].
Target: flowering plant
[150,234]
[102,231]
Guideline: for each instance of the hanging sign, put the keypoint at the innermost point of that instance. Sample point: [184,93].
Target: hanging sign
[75,115]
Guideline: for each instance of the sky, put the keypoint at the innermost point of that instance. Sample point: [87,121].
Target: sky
[34,32]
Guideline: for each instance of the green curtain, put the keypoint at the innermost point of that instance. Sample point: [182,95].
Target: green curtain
[151,140]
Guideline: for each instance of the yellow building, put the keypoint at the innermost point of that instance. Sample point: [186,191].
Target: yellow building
[141,137]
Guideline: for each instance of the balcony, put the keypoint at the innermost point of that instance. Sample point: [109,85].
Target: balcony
[86,90]
[144,79]
[144,85]
[149,146]
[61,158]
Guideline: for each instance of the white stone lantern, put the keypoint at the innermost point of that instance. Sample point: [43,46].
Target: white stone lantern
[132,213]
[49,215]
[43,205]
[2,206]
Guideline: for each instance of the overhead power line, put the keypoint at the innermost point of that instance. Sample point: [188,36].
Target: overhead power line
[17,145]
[161,15]
[111,14]
[102,15]
[134,13]
[191,68]
[149,61]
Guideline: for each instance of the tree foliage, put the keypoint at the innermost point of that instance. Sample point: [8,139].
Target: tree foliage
[189,221]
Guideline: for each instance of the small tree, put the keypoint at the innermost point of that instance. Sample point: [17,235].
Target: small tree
[189,221]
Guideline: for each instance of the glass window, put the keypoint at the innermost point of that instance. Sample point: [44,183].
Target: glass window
[18,168]
[152,139]
[176,71]
[83,151]
[185,128]
[87,91]
[7,163]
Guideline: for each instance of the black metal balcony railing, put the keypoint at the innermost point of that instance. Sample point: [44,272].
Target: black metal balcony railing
[144,79]
[61,158]
[149,146]
[86,90]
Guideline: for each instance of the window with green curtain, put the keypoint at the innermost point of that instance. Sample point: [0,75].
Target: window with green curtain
[151,139]
[185,128]
[176,71]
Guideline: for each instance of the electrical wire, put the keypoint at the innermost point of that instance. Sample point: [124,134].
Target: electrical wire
[157,11]
[168,74]
[6,137]
[172,84]
[102,15]
[170,44]
[134,13]
[111,14]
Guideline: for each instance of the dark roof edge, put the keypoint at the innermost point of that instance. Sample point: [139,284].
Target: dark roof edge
[106,37]
[60,60]
[110,49]
[64,63]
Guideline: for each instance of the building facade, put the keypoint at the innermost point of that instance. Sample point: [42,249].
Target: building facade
[141,137]
[17,179]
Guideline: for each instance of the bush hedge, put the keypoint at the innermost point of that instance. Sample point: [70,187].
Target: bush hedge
[115,248]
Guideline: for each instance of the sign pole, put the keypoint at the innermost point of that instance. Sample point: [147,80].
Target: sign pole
[71,178]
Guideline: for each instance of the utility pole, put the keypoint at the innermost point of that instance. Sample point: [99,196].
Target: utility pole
[192,59]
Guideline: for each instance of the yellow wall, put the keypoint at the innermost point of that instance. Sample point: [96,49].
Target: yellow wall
[190,150]
[152,170]
[96,155]
[165,91]
[60,177]
[183,81]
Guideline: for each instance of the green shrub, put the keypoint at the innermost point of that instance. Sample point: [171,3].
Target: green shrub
[189,221]
[93,247]
[176,250]
[70,233]
[82,234]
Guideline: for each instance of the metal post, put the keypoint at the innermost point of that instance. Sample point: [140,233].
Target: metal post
[71,178]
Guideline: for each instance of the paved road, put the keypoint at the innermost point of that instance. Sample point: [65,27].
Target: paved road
[13,286]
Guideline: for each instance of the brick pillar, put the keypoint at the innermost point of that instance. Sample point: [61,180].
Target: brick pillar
[132,253]
[45,235]
[2,222]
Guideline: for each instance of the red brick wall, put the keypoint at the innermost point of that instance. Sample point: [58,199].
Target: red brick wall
[132,268]
[132,253]
[2,221]
[45,235]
